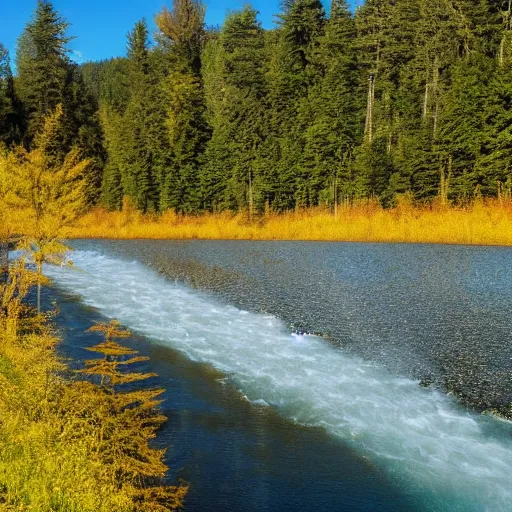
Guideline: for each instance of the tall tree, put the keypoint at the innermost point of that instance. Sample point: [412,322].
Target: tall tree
[335,128]
[235,88]
[43,65]
[292,72]
[47,78]
[182,30]
[135,133]
[10,108]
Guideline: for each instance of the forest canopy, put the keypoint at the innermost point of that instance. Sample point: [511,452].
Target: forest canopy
[399,97]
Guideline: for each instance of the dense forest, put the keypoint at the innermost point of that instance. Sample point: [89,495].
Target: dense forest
[399,97]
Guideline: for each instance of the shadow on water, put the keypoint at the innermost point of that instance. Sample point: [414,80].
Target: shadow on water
[238,456]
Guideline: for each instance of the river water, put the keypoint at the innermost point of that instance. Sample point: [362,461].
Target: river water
[260,419]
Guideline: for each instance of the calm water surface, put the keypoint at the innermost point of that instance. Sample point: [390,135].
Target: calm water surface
[261,420]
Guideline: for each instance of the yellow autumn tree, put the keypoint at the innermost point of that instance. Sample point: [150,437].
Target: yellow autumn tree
[41,194]
[128,422]
[7,227]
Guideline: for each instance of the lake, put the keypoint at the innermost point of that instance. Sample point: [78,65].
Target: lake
[376,409]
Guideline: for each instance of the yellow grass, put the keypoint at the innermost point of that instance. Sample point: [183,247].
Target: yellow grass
[483,223]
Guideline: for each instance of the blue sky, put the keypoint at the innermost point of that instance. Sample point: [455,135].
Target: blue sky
[100,26]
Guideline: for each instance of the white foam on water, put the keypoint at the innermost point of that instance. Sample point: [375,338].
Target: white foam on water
[422,438]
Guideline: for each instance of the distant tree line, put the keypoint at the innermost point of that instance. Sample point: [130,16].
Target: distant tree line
[402,96]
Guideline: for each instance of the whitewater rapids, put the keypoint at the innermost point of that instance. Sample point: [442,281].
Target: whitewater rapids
[452,459]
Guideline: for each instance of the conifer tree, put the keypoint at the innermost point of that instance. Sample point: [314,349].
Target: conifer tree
[143,161]
[49,194]
[235,87]
[401,96]
[43,63]
[47,78]
[331,137]
[10,108]
[182,29]
[128,422]
[292,72]
[135,130]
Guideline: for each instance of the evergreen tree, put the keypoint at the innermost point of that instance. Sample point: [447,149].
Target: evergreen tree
[10,108]
[108,83]
[182,30]
[334,130]
[292,73]
[134,129]
[43,65]
[235,87]
[47,78]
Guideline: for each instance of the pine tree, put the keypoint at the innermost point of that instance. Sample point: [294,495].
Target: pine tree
[10,108]
[127,421]
[48,193]
[47,78]
[43,65]
[334,131]
[134,129]
[235,87]
[182,30]
[403,96]
[139,176]
[292,72]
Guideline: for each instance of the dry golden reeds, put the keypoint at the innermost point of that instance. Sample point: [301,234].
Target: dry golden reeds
[486,222]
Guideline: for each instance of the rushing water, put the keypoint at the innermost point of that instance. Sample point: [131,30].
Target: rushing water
[398,445]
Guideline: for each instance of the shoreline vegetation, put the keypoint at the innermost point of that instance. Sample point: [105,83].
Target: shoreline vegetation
[71,443]
[482,222]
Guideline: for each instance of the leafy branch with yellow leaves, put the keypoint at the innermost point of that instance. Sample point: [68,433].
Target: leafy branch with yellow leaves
[40,195]
[66,445]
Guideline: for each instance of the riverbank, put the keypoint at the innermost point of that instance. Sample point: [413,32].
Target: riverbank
[66,443]
[482,223]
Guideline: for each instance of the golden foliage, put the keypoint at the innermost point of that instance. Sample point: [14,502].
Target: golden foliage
[483,223]
[73,446]
[108,368]
[40,194]
[49,197]
[65,446]
[183,23]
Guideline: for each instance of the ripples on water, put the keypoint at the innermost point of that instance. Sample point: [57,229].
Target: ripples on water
[439,314]
[453,459]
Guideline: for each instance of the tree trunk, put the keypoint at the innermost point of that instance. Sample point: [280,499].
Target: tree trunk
[40,273]
[425,101]
[435,87]
[251,198]
[506,20]
[336,196]
[368,129]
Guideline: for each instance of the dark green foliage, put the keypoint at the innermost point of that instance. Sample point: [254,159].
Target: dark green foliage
[47,78]
[43,65]
[182,38]
[10,107]
[235,88]
[401,96]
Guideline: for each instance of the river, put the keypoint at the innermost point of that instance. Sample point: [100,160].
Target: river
[260,419]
